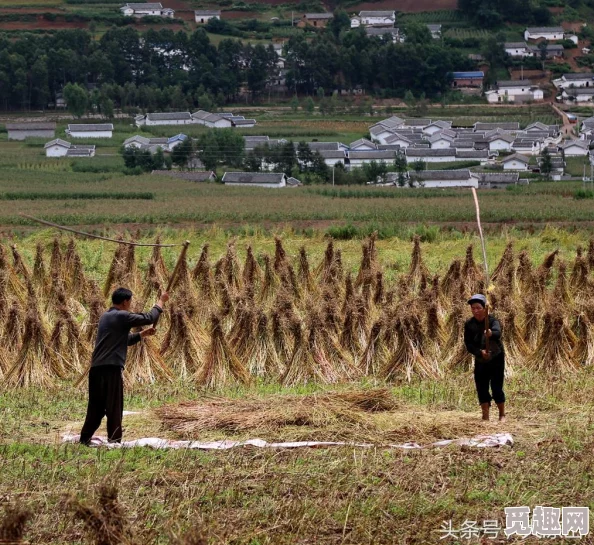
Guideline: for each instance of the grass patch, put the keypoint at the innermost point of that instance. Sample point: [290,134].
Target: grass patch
[25,196]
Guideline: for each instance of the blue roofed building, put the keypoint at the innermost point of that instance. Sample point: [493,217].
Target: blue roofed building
[467,79]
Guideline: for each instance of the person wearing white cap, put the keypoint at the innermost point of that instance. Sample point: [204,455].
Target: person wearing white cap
[489,363]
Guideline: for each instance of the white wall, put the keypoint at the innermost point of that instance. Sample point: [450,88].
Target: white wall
[441,144]
[472,182]
[203,19]
[56,151]
[515,165]
[91,134]
[499,145]
[152,123]
[220,124]
[575,151]
[271,186]
[447,159]
[376,21]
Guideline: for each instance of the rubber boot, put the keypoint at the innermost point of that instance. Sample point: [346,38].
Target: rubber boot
[485,408]
[501,407]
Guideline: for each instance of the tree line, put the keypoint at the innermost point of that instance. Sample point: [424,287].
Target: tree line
[166,70]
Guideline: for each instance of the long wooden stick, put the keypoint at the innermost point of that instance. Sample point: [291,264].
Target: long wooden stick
[172,278]
[89,235]
[487,281]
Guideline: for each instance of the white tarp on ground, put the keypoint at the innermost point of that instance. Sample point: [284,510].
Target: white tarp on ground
[479,441]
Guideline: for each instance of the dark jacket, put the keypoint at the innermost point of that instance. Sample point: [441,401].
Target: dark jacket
[114,337]
[474,338]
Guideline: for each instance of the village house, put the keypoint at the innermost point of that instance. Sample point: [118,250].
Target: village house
[61,148]
[518,49]
[436,126]
[319,20]
[151,144]
[21,131]
[193,176]
[515,162]
[526,146]
[150,9]
[497,180]
[362,145]
[473,79]
[202,16]
[272,180]
[500,142]
[552,51]
[357,158]
[507,126]
[544,33]
[482,155]
[517,91]
[576,148]
[436,178]
[100,130]
[575,79]
[581,94]
[446,155]
[171,118]
[377,18]
[441,140]
[213,121]
[333,157]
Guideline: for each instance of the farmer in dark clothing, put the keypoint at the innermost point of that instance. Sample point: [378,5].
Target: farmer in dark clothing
[106,388]
[489,367]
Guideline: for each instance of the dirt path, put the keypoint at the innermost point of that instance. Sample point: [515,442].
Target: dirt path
[567,129]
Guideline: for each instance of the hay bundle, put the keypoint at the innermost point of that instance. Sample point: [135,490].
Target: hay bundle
[378,296]
[455,354]
[221,366]
[261,353]
[375,354]
[349,339]
[280,255]
[579,272]
[531,324]
[288,281]
[561,291]
[545,269]
[184,345]
[36,363]
[584,349]
[437,336]
[506,263]
[19,265]
[369,262]
[554,351]
[270,281]
[231,268]
[13,329]
[11,283]
[56,264]
[514,345]
[40,279]
[116,268]
[417,272]
[410,358]
[161,270]
[96,309]
[309,361]
[524,272]
[452,279]
[252,273]
[145,365]
[241,334]
[191,419]
[471,274]
[306,278]
[68,345]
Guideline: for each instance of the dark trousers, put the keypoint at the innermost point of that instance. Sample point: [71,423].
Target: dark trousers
[106,398]
[490,374]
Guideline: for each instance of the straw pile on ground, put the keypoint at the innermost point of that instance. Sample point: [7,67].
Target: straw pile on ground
[283,319]
[271,413]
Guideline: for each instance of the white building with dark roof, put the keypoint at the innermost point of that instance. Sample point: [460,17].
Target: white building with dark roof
[377,18]
[271,180]
[146,9]
[575,79]
[86,130]
[167,118]
[34,129]
[202,16]
[61,148]
[544,33]
[515,91]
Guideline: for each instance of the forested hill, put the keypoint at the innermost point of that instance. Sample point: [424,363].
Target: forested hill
[495,13]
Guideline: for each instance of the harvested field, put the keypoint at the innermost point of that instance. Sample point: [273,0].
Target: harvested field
[41,24]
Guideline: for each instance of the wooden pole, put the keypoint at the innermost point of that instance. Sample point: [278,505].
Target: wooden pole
[487,281]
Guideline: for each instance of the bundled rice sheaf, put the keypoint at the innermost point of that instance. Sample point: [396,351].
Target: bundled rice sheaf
[236,415]
[145,365]
[221,366]
[36,363]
